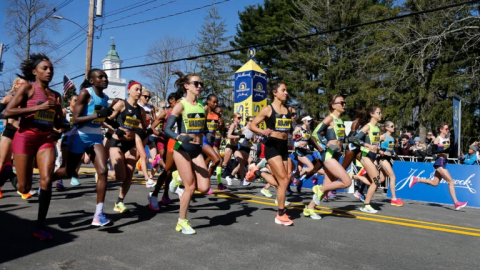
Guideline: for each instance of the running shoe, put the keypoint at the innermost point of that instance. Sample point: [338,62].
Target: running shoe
[251,173]
[42,235]
[368,209]
[25,196]
[318,194]
[287,203]
[74,181]
[155,162]
[153,202]
[325,198]
[413,182]
[299,187]
[184,227]
[150,183]
[179,191]
[60,185]
[166,200]
[221,187]
[311,213]
[315,179]
[175,183]
[460,205]
[100,220]
[210,191]
[33,192]
[283,220]
[331,195]
[120,207]
[1,195]
[295,181]
[244,183]
[229,181]
[396,202]
[357,195]
[266,193]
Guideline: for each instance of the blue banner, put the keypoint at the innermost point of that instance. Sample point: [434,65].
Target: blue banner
[464,176]
[2,127]
[457,114]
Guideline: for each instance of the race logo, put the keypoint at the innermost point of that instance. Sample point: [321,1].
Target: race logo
[459,183]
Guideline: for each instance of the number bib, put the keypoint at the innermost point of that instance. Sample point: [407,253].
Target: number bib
[194,123]
[375,138]
[306,136]
[212,126]
[131,123]
[98,121]
[44,118]
[341,132]
[282,123]
[391,145]
[160,126]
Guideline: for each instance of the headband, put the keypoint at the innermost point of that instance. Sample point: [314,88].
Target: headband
[38,61]
[132,84]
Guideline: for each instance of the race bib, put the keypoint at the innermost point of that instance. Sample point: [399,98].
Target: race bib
[218,136]
[212,126]
[282,123]
[131,123]
[376,138]
[195,123]
[160,126]
[45,117]
[341,132]
[306,136]
[391,146]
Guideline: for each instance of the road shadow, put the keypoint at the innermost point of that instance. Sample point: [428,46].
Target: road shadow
[228,218]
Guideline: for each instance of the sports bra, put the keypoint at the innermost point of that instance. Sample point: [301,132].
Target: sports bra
[279,122]
[130,117]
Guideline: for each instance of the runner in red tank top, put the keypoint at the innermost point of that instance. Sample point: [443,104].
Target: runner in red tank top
[39,110]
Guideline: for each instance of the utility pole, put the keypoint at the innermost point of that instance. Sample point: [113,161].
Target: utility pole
[91,14]
[1,51]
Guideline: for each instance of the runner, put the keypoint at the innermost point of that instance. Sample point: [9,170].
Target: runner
[213,123]
[369,139]
[123,149]
[217,145]
[90,111]
[387,152]
[278,119]
[441,147]
[189,114]
[11,126]
[150,113]
[234,135]
[38,109]
[303,135]
[333,140]
[154,139]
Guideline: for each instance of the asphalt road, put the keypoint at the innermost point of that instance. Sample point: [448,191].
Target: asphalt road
[235,230]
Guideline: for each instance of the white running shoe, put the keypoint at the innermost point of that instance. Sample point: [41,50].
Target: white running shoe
[368,209]
[245,183]
[179,191]
[229,181]
[150,183]
[287,203]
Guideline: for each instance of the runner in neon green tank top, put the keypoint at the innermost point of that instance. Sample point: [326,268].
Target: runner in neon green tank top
[334,138]
[190,117]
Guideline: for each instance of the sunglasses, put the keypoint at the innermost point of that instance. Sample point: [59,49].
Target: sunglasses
[341,103]
[309,121]
[196,83]
[379,113]
[145,96]
[294,114]
[163,107]
[391,126]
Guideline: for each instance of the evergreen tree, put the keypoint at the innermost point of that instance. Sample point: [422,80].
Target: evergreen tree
[72,91]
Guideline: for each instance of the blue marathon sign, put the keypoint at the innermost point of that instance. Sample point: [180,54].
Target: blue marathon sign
[466,179]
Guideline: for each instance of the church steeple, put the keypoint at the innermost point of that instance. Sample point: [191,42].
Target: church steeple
[112,54]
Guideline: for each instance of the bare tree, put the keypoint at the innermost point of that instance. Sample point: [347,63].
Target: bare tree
[27,22]
[161,76]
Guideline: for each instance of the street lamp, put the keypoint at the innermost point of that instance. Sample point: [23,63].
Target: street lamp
[62,18]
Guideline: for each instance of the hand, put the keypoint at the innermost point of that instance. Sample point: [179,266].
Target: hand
[381,153]
[267,132]
[105,112]
[374,148]
[49,104]
[297,136]
[149,131]
[120,133]
[184,138]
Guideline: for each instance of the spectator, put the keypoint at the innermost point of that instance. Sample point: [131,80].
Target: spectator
[471,157]
[430,138]
[418,149]
[404,146]
[410,138]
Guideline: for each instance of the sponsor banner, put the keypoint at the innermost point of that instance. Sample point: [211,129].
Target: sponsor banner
[244,108]
[457,115]
[259,94]
[243,94]
[2,127]
[465,177]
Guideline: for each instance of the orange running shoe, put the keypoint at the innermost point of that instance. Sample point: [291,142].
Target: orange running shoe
[251,174]
[1,195]
[25,196]
[283,220]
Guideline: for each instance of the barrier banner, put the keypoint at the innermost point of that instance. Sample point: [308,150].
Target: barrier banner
[250,91]
[465,177]
[457,121]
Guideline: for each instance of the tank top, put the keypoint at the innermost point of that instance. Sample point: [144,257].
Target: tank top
[279,122]
[373,137]
[443,145]
[193,118]
[148,111]
[39,121]
[94,105]
[339,128]
[130,117]
[388,144]
[306,134]
[212,122]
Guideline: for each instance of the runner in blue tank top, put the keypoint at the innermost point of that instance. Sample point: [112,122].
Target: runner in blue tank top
[386,154]
[90,112]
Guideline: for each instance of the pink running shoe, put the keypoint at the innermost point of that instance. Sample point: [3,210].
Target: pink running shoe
[413,182]
[156,161]
[210,191]
[460,205]
[42,235]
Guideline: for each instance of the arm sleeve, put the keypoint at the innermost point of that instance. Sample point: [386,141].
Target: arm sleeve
[168,127]
[359,138]
[317,133]
[2,107]
[436,151]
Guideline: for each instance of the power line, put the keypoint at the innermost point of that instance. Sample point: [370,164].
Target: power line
[346,28]
[128,8]
[167,16]
[58,60]
[140,12]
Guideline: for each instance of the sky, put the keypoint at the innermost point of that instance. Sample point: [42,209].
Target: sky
[131,41]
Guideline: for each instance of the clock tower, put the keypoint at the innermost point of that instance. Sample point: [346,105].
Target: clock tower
[116,85]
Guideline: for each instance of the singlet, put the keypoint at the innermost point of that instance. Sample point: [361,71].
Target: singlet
[148,111]
[306,134]
[39,121]
[94,105]
[279,122]
[442,145]
[338,130]
[388,144]
[247,141]
[131,117]
[212,122]
[193,118]
[373,137]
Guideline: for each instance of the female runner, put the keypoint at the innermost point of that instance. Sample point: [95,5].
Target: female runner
[387,145]
[213,123]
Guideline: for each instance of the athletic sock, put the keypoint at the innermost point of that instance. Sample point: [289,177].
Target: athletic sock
[281,212]
[160,180]
[180,220]
[99,208]
[219,174]
[43,205]
[265,187]
[120,200]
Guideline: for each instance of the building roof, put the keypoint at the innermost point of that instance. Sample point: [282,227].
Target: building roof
[112,54]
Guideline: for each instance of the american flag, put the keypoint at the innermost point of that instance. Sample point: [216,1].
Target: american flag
[67,84]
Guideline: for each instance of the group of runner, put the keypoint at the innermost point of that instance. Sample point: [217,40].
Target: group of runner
[188,132]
